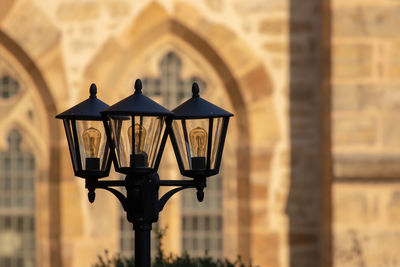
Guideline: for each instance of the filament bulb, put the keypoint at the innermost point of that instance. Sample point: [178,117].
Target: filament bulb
[198,142]
[140,137]
[91,141]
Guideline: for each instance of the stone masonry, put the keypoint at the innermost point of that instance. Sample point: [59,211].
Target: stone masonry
[288,69]
[365,84]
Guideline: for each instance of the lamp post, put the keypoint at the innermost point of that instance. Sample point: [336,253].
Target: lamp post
[133,135]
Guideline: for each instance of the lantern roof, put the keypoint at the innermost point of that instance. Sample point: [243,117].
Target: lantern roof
[86,110]
[197,108]
[137,104]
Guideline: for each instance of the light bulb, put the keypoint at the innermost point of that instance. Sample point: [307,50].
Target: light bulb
[198,141]
[91,141]
[140,137]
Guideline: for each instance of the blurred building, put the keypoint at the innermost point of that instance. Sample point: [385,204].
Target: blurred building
[311,167]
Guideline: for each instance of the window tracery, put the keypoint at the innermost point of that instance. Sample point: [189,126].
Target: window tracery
[201,222]
[17,208]
[8,87]
[23,138]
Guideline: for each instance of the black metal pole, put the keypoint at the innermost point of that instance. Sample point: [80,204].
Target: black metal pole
[143,205]
[142,246]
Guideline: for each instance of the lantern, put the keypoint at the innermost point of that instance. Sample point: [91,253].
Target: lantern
[87,141]
[198,133]
[136,129]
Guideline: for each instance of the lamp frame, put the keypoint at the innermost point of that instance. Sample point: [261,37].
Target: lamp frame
[88,110]
[207,172]
[136,105]
[142,203]
[197,108]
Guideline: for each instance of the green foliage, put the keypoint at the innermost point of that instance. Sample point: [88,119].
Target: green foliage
[115,261]
[162,260]
[186,261]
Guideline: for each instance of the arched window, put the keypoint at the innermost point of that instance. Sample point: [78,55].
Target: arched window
[201,222]
[8,87]
[170,87]
[17,205]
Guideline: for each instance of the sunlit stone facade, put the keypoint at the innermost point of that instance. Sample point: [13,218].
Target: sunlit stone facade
[310,167]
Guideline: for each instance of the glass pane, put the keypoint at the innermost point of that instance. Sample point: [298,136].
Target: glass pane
[192,139]
[197,131]
[181,143]
[71,143]
[148,131]
[92,144]
[144,136]
[119,131]
[217,127]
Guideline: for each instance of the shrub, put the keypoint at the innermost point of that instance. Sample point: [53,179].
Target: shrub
[162,260]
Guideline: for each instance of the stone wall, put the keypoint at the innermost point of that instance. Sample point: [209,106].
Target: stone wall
[306,200]
[70,44]
[268,57]
[366,146]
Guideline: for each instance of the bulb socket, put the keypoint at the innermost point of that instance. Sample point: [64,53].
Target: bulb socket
[198,163]
[92,164]
[139,160]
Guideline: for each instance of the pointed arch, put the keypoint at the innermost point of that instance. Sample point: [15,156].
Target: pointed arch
[243,75]
[17,201]
[52,183]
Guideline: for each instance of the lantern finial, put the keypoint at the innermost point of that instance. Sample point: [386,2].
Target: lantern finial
[138,86]
[195,90]
[93,90]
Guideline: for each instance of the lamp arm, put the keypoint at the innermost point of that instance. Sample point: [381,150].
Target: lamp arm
[163,200]
[198,183]
[92,184]
[119,195]
[106,183]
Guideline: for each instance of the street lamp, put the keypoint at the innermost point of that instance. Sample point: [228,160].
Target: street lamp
[90,152]
[137,129]
[198,135]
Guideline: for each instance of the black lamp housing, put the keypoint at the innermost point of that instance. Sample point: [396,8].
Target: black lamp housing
[136,130]
[198,133]
[90,153]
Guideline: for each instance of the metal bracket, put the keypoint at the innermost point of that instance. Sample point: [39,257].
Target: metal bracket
[135,185]
[92,185]
[199,184]
[163,200]
[119,195]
